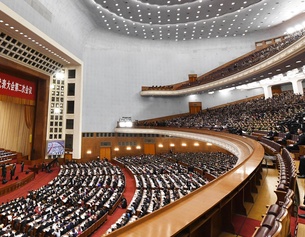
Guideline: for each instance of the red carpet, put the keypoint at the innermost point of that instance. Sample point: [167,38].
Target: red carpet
[42,178]
[295,220]
[21,175]
[244,226]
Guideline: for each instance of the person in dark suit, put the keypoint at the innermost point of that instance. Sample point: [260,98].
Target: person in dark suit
[271,134]
[12,173]
[301,141]
[287,136]
[4,171]
[22,166]
[295,147]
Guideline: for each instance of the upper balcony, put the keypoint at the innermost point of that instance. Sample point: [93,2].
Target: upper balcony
[270,58]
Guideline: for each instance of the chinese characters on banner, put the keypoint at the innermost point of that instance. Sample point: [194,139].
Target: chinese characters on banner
[17,87]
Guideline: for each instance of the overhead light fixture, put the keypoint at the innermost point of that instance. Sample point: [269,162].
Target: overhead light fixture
[227,89]
[57,111]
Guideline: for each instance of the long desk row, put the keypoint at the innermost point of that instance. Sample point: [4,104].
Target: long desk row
[207,211]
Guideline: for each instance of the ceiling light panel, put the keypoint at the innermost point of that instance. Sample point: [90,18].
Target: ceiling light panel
[166,2]
[234,18]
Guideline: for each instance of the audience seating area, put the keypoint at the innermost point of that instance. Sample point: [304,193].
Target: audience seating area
[75,203]
[163,179]
[253,119]
[244,117]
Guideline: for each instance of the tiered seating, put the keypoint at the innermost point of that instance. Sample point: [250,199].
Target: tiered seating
[165,179]
[287,175]
[271,147]
[276,221]
[76,201]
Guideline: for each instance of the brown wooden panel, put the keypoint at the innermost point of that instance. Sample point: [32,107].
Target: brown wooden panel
[40,133]
[149,149]
[105,152]
[68,157]
[195,107]
[162,145]
[192,77]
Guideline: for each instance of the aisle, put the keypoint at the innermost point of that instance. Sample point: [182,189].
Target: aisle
[128,194]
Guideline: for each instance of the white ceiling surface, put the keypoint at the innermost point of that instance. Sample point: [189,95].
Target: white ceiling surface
[191,19]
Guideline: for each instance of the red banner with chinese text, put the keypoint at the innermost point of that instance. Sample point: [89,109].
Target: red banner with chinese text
[17,87]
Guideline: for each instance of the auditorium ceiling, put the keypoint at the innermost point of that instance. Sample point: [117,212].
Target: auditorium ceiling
[191,19]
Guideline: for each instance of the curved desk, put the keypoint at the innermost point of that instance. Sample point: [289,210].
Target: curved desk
[208,211]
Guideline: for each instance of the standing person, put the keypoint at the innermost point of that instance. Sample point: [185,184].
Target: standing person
[22,166]
[12,173]
[4,172]
[14,168]
[295,147]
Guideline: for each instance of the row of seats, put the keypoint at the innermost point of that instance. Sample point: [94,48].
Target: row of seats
[276,220]
[70,205]
[161,180]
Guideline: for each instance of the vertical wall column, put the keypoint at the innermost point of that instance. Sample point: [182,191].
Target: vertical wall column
[297,86]
[78,100]
[65,114]
[267,91]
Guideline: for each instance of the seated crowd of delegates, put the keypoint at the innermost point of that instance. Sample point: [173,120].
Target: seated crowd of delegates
[213,163]
[162,179]
[80,195]
[252,115]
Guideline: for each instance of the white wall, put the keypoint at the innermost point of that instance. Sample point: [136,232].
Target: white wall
[117,66]
[65,21]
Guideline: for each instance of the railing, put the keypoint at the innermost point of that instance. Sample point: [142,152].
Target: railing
[207,211]
[245,66]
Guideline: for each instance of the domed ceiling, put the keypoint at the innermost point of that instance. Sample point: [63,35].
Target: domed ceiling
[191,19]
